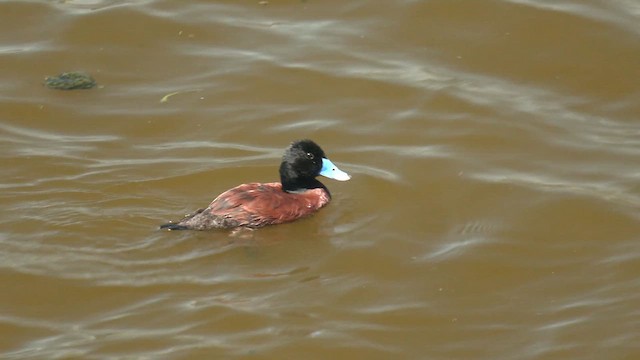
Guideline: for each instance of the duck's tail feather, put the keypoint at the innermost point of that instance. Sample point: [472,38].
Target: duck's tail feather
[173,226]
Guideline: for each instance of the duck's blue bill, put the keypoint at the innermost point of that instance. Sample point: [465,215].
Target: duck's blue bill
[332,172]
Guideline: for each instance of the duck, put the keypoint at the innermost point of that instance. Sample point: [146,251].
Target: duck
[253,205]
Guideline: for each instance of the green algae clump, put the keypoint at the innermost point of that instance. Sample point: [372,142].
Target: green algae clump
[70,81]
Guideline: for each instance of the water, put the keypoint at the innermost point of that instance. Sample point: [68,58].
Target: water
[493,211]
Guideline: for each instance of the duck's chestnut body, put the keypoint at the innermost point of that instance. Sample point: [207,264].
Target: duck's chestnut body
[255,205]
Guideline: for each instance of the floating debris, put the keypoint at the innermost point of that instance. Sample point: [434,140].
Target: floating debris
[166,97]
[70,81]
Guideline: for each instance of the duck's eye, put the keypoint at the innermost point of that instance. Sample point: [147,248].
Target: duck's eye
[310,156]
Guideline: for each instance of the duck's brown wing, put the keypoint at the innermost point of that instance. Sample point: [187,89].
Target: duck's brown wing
[260,204]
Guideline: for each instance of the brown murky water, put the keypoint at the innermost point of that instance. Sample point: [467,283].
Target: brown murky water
[494,210]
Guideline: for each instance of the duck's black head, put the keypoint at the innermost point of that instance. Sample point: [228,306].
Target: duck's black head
[302,161]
